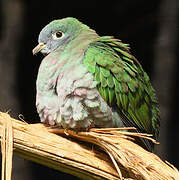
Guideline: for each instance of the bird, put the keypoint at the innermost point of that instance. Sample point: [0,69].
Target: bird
[86,80]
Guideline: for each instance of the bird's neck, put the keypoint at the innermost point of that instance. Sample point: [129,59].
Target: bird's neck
[74,51]
[81,42]
[63,58]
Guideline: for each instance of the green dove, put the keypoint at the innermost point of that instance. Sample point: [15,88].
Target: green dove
[89,81]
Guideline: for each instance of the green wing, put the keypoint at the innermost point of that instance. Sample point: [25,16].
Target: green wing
[123,84]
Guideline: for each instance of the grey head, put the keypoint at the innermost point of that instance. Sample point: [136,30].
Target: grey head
[58,33]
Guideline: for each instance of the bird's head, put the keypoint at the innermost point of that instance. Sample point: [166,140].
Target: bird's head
[58,33]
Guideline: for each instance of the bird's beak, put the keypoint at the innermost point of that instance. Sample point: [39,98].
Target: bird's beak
[38,48]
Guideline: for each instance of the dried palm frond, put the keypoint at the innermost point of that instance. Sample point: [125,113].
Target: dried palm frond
[122,157]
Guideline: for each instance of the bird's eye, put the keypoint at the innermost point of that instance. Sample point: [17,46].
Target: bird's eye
[57,35]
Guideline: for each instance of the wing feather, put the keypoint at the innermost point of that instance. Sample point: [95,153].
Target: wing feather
[123,84]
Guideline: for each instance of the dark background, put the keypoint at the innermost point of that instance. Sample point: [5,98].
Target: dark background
[151,29]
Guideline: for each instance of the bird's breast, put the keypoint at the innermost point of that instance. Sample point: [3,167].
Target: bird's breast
[67,96]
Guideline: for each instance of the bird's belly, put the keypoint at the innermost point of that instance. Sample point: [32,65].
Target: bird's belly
[81,105]
[75,102]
